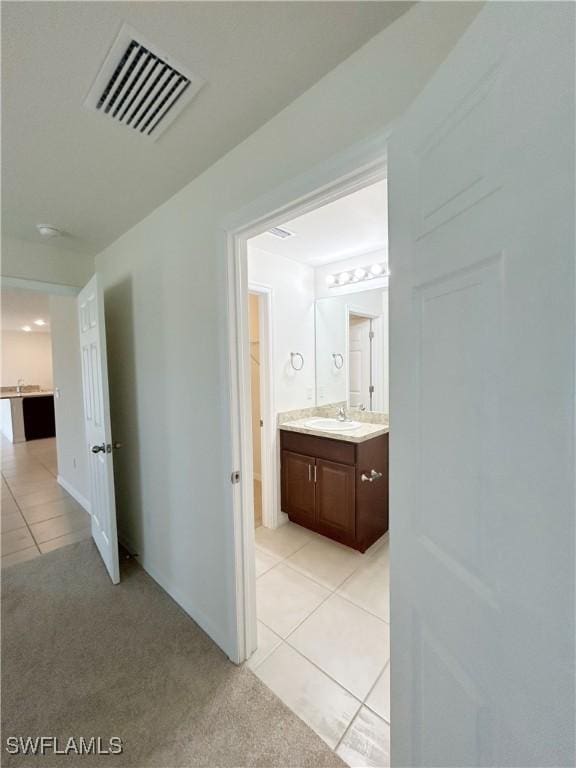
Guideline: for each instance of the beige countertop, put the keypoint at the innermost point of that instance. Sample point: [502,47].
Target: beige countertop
[365,431]
[22,395]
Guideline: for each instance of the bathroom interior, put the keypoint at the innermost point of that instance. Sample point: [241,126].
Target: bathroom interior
[318,326]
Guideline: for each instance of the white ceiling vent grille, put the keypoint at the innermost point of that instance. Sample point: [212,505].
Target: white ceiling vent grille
[280,232]
[141,87]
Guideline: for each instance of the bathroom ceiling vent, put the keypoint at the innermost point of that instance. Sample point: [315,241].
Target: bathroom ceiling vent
[141,87]
[280,232]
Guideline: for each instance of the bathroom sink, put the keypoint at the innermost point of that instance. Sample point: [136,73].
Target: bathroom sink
[332,425]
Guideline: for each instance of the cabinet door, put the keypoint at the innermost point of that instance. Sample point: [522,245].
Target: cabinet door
[335,498]
[298,488]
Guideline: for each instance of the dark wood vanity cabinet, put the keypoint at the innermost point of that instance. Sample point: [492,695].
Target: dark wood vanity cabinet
[322,486]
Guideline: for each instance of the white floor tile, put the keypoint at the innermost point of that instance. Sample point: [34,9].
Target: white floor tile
[369,587]
[12,522]
[14,541]
[367,743]
[285,598]
[267,642]
[20,557]
[350,645]
[320,702]
[264,561]
[59,526]
[63,541]
[51,509]
[283,541]
[52,492]
[326,562]
[379,698]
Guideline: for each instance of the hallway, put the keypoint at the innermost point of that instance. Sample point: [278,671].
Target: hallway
[126,661]
[38,515]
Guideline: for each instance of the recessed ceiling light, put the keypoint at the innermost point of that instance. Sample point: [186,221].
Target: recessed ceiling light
[47,231]
[26,328]
[40,321]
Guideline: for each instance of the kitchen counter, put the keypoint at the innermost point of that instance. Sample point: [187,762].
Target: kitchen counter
[19,396]
[12,413]
[365,431]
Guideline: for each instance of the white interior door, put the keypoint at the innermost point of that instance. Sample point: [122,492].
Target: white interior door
[359,362]
[97,421]
[481,188]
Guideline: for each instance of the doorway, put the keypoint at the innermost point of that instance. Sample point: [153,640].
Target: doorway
[44,470]
[311,572]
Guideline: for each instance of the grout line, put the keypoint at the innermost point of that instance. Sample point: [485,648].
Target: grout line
[331,592]
[25,521]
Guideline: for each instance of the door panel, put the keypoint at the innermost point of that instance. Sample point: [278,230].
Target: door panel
[481,216]
[298,488]
[97,423]
[335,492]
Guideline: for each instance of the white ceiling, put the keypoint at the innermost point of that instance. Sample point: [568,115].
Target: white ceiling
[353,225]
[66,166]
[22,308]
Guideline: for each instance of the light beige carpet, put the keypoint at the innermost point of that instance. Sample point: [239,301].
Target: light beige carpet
[81,657]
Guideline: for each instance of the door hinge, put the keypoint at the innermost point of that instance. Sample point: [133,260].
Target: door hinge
[371,389]
[371,335]
[235,478]
[261,422]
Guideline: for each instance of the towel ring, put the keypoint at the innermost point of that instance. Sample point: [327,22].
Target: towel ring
[294,356]
[338,360]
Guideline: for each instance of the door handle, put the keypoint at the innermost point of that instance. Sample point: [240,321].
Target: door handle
[309,473]
[99,448]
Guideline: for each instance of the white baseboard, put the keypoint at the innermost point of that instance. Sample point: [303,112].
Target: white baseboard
[82,500]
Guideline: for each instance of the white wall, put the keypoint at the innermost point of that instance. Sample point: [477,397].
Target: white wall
[45,262]
[166,313]
[68,400]
[26,356]
[293,325]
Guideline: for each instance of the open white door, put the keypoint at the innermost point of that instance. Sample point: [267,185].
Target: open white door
[97,421]
[481,190]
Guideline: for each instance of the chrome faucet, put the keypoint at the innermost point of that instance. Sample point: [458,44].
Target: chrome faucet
[342,415]
[19,386]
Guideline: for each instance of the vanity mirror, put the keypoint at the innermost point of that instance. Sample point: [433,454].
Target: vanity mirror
[352,350]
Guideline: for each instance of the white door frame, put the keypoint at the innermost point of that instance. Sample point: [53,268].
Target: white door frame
[377,352]
[268,447]
[358,167]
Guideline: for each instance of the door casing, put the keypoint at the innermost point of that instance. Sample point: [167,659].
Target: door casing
[360,166]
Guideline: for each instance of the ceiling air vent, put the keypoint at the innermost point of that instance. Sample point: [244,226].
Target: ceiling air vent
[141,87]
[280,232]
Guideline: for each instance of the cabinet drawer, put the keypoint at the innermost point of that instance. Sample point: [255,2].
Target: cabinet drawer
[320,447]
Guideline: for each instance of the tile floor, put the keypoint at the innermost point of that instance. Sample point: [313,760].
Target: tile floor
[37,514]
[323,638]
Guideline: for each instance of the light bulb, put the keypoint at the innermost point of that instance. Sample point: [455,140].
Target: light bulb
[331,280]
[343,278]
[376,269]
[360,273]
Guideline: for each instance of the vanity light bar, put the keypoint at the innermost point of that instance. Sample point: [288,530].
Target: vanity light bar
[358,275]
